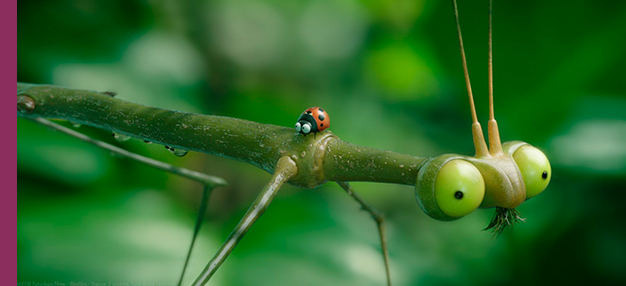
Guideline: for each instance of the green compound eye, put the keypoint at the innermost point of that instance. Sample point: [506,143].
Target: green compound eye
[535,169]
[459,188]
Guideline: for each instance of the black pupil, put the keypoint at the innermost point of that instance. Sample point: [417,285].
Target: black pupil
[544,175]
[458,195]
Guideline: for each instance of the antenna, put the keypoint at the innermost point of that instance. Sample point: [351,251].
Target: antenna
[492,126]
[477,131]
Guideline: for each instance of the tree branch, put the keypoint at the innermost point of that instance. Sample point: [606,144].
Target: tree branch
[319,158]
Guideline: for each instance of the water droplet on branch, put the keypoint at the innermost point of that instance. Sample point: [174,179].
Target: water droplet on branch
[25,104]
[177,152]
[120,137]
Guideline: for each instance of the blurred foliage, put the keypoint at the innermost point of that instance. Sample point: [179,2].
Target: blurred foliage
[389,73]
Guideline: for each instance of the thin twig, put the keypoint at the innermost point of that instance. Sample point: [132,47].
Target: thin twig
[380,223]
[205,179]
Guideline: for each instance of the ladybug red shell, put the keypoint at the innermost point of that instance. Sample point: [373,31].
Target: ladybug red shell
[313,120]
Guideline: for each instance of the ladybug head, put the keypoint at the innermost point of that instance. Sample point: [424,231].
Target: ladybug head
[306,124]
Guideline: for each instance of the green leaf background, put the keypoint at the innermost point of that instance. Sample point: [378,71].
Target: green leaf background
[389,74]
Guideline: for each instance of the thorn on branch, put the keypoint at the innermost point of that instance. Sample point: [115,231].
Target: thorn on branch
[110,93]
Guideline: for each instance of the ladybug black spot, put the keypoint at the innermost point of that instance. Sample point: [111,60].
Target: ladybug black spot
[321,117]
[322,125]
[321,110]
[308,112]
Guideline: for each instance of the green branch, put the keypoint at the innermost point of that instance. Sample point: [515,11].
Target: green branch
[318,158]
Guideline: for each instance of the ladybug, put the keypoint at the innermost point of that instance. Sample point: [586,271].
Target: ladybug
[312,120]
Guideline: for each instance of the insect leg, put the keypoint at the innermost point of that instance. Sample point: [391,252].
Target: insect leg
[380,222]
[209,182]
[205,179]
[285,170]
[201,213]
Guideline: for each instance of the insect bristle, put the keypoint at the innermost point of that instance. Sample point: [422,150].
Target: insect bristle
[502,218]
